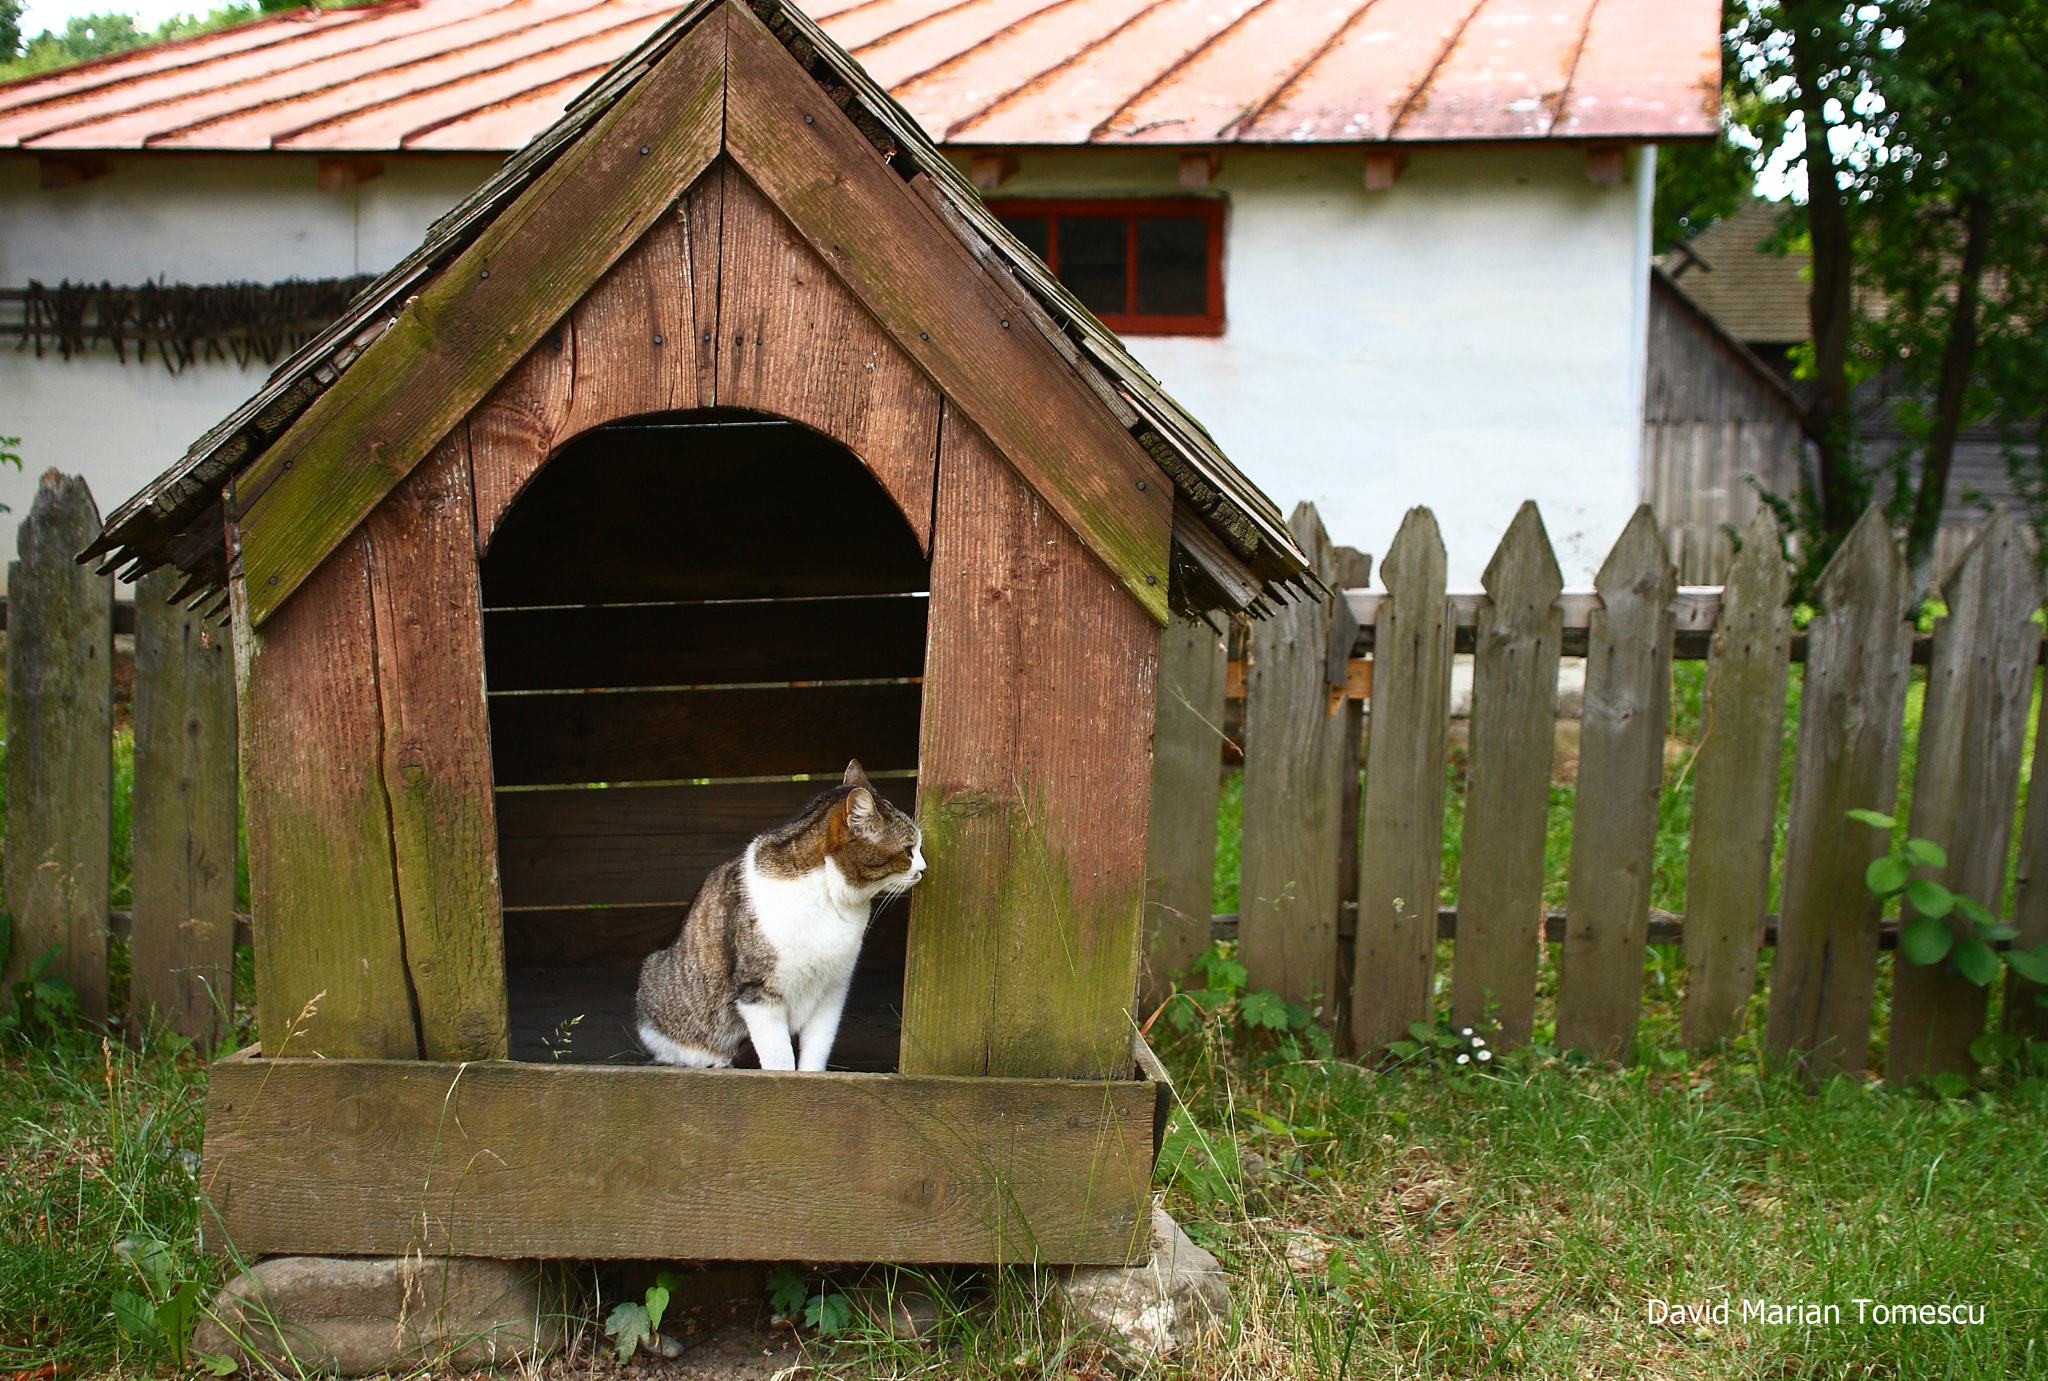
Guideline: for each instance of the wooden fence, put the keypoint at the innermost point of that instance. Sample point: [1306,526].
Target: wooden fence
[1339,882]
[60,719]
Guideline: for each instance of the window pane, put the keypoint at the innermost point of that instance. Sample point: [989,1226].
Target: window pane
[1029,229]
[1173,265]
[1092,261]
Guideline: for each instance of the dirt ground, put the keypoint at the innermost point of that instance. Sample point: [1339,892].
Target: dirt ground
[727,1342]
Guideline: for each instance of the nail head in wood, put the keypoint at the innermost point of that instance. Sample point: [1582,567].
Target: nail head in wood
[1383,169]
[1605,165]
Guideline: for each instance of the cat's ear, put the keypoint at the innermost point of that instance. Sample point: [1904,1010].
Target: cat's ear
[860,811]
[854,775]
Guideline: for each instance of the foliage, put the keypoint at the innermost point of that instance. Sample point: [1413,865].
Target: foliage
[88,36]
[41,1007]
[1439,1046]
[8,454]
[161,1316]
[1292,1030]
[828,1312]
[1945,925]
[1918,134]
[636,1325]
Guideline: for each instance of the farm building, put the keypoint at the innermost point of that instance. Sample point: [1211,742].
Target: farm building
[1726,316]
[722,436]
[1392,253]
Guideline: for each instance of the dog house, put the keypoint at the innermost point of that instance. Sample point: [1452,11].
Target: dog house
[721,438]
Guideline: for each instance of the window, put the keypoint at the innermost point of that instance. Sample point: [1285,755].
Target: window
[1147,268]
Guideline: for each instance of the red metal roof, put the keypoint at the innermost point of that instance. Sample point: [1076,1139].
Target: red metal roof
[487,75]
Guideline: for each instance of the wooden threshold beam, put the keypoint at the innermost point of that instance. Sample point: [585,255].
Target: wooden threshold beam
[598,1162]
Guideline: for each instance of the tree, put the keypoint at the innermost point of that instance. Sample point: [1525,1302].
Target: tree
[1919,129]
[10,28]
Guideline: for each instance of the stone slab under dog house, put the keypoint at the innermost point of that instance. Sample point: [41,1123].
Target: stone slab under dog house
[722,437]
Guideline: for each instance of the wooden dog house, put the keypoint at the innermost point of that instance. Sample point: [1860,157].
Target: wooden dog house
[721,437]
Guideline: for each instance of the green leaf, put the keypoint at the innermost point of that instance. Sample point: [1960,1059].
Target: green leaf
[217,1363]
[1873,819]
[1887,875]
[1950,1084]
[830,1314]
[627,1328]
[174,1318]
[1976,961]
[1403,1050]
[1263,1008]
[136,1316]
[1975,911]
[786,1291]
[1423,1032]
[1928,852]
[1997,931]
[1930,898]
[1926,940]
[657,1305]
[1994,1048]
[2030,964]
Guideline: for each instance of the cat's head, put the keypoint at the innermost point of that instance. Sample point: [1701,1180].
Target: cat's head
[877,847]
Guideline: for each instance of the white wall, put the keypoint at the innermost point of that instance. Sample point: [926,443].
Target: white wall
[190,220]
[1471,338]
[1468,339]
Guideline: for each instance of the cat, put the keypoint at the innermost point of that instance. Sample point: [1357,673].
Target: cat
[767,949]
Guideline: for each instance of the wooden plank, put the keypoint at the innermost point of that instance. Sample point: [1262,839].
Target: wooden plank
[1735,789]
[1621,770]
[632,335]
[947,313]
[1973,730]
[793,341]
[181,950]
[1295,765]
[1401,852]
[435,755]
[642,845]
[470,326]
[847,639]
[1852,707]
[323,890]
[364,1157]
[1187,779]
[649,736]
[2023,1013]
[1032,793]
[60,725]
[1507,788]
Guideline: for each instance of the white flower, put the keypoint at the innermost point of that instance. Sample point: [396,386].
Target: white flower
[1466,1032]
[1478,1044]
[1485,1055]
[1464,1059]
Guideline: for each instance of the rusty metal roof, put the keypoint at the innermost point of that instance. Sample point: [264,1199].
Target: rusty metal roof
[489,75]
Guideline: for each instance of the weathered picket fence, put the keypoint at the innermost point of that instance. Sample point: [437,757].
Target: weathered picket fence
[60,723]
[1339,884]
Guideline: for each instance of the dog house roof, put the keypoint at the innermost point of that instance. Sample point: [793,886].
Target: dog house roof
[1229,546]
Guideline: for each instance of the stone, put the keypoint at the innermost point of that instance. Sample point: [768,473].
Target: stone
[361,1316]
[1157,1309]
[908,1314]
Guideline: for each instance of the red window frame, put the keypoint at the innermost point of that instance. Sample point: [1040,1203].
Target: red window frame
[1209,323]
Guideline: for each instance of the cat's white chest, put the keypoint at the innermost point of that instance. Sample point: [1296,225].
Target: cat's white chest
[815,923]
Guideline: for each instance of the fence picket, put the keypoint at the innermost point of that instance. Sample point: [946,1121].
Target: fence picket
[1735,788]
[1401,853]
[1851,713]
[1187,777]
[1293,772]
[1621,768]
[1507,791]
[60,724]
[182,949]
[1972,730]
[2030,897]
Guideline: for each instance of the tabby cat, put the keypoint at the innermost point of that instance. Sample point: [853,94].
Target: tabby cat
[768,948]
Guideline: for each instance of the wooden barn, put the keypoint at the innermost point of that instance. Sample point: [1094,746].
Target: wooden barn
[722,437]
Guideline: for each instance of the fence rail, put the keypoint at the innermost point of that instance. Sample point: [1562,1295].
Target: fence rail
[1827,931]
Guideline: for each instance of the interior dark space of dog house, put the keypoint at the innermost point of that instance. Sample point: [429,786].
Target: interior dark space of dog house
[692,621]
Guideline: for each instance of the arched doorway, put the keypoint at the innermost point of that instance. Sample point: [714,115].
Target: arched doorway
[691,622]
